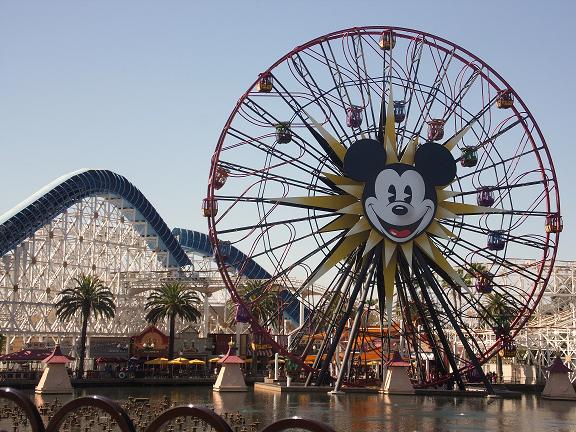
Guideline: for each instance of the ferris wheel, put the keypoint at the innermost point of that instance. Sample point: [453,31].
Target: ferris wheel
[383,177]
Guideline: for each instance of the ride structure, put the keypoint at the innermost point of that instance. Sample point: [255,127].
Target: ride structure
[384,164]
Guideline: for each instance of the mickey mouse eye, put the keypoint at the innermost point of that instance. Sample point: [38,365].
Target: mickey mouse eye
[408,193]
[392,192]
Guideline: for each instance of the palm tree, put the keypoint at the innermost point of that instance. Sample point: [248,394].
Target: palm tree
[171,300]
[497,312]
[262,303]
[89,297]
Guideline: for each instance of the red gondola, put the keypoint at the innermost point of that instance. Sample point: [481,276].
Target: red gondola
[242,315]
[436,129]
[484,282]
[209,207]
[387,40]
[399,111]
[496,240]
[554,223]
[505,99]
[283,133]
[353,116]
[485,196]
[220,177]
[265,83]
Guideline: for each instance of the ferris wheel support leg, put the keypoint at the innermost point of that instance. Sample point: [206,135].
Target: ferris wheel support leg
[324,343]
[433,283]
[353,333]
[425,323]
[402,296]
[343,286]
[439,330]
[365,265]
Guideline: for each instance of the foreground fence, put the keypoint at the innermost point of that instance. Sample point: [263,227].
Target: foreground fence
[78,415]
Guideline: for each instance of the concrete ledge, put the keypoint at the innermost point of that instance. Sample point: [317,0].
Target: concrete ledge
[229,389]
[295,388]
[558,398]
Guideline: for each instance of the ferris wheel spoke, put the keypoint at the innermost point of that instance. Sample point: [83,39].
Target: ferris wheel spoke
[364,78]
[268,176]
[274,223]
[509,237]
[317,93]
[492,257]
[341,76]
[257,143]
[500,132]
[319,156]
[470,247]
[496,188]
[286,271]
[503,162]
[412,80]
[272,121]
[457,101]
[329,148]
[435,88]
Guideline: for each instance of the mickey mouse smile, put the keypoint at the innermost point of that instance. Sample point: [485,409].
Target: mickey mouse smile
[401,231]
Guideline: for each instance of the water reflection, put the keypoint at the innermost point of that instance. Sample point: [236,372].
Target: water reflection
[229,402]
[367,412]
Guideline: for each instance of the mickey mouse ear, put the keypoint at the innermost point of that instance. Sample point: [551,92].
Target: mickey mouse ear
[364,159]
[435,163]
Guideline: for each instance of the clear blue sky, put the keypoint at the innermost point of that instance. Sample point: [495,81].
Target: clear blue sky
[143,87]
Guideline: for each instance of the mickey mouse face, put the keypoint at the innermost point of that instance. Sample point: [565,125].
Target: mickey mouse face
[399,199]
[401,207]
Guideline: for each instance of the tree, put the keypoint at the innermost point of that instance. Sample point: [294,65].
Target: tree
[89,297]
[261,299]
[262,303]
[172,300]
[497,312]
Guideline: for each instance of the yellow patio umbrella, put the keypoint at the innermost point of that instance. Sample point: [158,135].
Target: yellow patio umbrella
[197,362]
[157,361]
[214,360]
[179,361]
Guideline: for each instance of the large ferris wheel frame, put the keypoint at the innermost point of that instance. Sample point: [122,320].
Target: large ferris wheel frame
[426,273]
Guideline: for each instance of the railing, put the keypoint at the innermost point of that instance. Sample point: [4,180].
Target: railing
[75,411]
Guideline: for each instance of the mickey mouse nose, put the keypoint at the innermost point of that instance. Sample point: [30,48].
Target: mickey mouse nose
[399,210]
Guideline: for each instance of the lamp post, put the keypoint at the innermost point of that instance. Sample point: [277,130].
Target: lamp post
[147,348]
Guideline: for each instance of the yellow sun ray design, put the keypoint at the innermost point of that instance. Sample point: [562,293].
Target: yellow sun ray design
[360,231]
[340,223]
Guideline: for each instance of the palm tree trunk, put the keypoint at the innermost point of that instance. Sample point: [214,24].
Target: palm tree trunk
[82,354]
[499,369]
[171,328]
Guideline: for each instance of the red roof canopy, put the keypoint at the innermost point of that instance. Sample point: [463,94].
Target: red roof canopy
[397,361]
[27,355]
[56,357]
[230,357]
[558,367]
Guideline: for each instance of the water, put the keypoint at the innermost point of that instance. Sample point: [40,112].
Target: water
[370,413]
